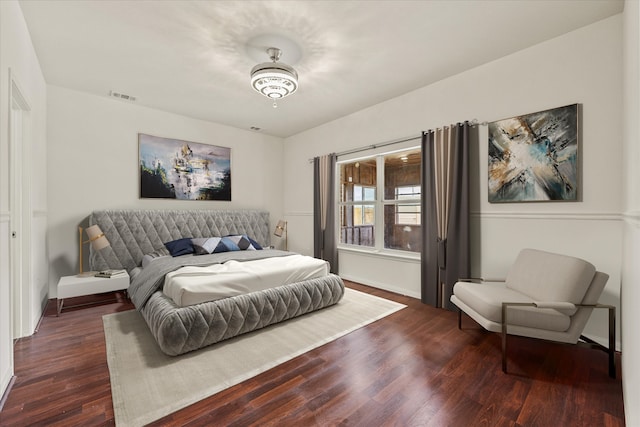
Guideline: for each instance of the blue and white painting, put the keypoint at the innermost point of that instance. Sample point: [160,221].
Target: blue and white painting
[534,157]
[176,169]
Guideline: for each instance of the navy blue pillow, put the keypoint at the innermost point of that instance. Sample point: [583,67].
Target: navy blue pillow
[180,247]
[255,244]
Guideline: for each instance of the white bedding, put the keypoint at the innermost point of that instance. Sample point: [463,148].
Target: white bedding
[194,285]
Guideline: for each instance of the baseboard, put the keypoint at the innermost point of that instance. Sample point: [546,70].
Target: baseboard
[7,390]
[604,341]
[42,311]
[379,285]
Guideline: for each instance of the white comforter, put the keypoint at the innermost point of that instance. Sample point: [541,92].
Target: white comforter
[194,285]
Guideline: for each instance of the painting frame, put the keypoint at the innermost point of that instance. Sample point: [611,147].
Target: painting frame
[177,169]
[535,157]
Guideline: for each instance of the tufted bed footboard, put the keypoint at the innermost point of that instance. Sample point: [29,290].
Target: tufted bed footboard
[182,329]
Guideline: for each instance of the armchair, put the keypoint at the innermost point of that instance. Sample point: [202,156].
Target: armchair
[545,295]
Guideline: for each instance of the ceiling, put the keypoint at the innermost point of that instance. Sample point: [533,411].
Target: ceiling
[194,57]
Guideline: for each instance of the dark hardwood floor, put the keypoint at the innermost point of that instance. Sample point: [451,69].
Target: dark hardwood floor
[413,368]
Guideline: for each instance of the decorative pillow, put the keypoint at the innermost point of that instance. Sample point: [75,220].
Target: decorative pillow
[147,258]
[226,245]
[180,247]
[214,245]
[205,245]
[255,244]
[245,243]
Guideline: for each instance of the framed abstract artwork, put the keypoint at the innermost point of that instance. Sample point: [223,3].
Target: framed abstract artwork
[534,158]
[177,169]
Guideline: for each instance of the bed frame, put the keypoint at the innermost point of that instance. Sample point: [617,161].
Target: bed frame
[134,233]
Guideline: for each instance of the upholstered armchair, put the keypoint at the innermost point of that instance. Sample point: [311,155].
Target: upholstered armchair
[545,295]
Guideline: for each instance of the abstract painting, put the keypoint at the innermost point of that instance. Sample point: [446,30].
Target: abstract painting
[176,169]
[534,157]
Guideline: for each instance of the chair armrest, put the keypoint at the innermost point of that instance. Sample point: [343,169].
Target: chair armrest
[597,305]
[557,305]
[479,279]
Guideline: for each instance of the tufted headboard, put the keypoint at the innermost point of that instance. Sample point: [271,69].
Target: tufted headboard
[134,233]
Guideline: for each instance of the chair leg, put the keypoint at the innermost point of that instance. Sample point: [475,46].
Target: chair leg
[612,342]
[504,338]
[611,350]
[504,329]
[459,319]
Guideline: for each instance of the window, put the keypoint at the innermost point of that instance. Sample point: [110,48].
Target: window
[363,214]
[380,200]
[357,202]
[408,214]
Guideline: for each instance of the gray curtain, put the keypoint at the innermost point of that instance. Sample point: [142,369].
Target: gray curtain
[445,212]
[324,231]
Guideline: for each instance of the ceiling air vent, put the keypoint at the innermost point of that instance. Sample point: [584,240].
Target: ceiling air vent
[122,96]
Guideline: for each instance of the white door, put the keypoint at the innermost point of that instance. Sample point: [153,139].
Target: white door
[19,211]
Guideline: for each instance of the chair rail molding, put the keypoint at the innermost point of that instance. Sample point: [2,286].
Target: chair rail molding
[632,218]
[5,216]
[562,216]
[298,213]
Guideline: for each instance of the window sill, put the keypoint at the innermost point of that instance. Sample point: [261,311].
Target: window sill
[385,253]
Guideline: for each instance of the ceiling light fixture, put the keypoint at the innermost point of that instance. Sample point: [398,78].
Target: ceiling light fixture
[275,80]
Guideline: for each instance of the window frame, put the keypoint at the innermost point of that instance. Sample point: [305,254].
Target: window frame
[379,206]
[409,201]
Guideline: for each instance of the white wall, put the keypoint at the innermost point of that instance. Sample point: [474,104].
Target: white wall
[582,67]
[631,268]
[93,164]
[18,55]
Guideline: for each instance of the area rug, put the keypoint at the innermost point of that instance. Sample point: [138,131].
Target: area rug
[147,385]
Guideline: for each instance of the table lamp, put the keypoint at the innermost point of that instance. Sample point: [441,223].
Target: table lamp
[98,241]
[281,228]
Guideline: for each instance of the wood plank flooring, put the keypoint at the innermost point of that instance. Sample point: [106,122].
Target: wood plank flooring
[413,368]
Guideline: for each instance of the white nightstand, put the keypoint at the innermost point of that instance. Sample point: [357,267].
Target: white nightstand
[76,286]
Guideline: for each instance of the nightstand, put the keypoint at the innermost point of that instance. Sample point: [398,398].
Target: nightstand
[76,286]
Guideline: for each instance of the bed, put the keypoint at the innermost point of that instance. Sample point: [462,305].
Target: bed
[182,320]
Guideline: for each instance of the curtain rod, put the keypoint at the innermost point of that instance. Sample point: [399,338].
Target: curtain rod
[374,146]
[473,122]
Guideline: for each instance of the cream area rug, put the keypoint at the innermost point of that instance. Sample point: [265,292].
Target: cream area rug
[147,385]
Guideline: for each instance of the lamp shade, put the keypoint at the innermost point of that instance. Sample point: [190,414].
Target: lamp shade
[97,238]
[280,227]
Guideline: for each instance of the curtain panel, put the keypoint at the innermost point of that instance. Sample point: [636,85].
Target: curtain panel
[324,202]
[445,213]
